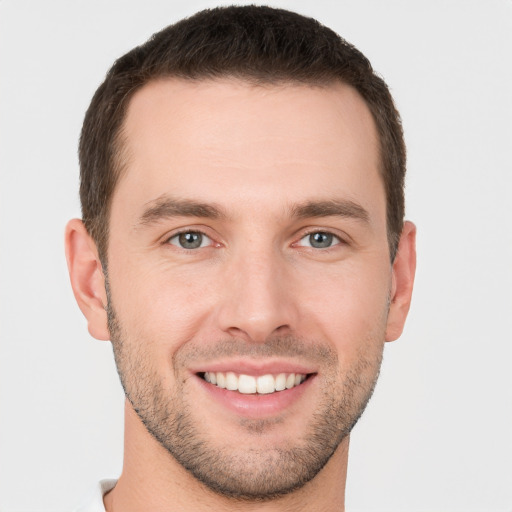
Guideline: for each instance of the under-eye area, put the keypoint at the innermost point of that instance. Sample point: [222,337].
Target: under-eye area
[249,384]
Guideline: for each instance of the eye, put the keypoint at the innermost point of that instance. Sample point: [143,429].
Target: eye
[319,240]
[190,240]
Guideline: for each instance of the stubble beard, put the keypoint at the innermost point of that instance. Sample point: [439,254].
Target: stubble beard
[259,473]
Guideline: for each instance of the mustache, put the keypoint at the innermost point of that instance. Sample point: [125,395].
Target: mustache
[292,347]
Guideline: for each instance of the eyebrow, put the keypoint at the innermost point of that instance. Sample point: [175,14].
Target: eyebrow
[335,207]
[168,207]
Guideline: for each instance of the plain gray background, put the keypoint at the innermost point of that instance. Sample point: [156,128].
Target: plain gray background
[437,435]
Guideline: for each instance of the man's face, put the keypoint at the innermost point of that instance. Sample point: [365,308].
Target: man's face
[248,252]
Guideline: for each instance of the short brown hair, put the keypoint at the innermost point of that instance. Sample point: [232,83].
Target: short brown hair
[260,45]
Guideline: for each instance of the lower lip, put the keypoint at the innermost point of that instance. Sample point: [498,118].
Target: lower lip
[254,405]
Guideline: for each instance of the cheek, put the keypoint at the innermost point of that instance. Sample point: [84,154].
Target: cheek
[165,307]
[349,306]
[160,306]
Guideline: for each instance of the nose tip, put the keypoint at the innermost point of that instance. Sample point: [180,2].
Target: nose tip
[256,304]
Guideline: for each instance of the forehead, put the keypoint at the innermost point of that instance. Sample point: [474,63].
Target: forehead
[226,139]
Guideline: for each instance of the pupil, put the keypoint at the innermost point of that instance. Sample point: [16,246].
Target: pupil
[320,240]
[190,240]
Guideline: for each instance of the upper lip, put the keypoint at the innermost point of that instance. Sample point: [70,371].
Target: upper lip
[254,367]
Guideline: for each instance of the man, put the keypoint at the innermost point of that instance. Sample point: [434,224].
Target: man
[244,249]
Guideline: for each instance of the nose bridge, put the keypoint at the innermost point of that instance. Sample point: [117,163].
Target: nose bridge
[256,301]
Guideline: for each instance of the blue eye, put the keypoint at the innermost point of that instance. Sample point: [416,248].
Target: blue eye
[190,240]
[320,240]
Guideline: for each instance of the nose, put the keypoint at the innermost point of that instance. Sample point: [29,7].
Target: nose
[257,297]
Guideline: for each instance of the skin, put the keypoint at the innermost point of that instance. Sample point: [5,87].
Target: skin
[261,156]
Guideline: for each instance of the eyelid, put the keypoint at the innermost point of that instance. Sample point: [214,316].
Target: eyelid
[341,238]
[166,240]
[204,241]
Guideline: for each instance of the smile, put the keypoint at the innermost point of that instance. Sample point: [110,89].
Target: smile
[248,384]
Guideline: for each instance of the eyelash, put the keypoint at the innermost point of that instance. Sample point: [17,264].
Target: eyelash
[190,231]
[336,240]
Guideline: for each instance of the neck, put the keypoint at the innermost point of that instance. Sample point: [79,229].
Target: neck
[153,480]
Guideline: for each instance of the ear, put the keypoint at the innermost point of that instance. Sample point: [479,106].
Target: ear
[87,278]
[404,268]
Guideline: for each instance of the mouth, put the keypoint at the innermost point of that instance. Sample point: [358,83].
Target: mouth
[254,385]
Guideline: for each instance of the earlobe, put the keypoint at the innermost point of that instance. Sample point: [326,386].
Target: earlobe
[87,278]
[404,268]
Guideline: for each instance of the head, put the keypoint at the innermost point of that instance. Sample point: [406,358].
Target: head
[244,245]
[259,45]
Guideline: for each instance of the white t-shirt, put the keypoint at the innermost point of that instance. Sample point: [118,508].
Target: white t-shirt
[93,502]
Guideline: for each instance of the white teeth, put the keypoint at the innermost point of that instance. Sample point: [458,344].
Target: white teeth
[266,384]
[290,381]
[221,380]
[281,382]
[231,381]
[248,384]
